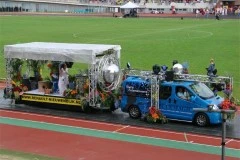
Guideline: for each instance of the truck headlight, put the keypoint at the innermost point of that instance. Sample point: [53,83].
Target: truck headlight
[212,107]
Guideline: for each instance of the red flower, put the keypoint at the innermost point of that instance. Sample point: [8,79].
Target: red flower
[49,65]
[226,104]
[17,89]
[152,110]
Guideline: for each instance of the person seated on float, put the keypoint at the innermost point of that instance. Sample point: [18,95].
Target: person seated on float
[63,78]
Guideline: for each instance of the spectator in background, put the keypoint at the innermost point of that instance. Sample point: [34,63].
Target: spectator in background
[237,12]
[197,13]
[207,12]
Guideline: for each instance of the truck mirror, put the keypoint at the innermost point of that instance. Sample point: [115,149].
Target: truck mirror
[192,98]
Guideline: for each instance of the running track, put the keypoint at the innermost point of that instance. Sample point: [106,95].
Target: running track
[76,139]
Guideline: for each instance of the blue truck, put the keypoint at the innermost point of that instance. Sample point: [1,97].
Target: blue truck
[136,100]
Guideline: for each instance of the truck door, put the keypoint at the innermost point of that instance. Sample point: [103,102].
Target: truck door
[165,93]
[182,105]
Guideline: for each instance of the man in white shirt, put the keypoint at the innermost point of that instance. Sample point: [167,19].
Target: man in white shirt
[181,94]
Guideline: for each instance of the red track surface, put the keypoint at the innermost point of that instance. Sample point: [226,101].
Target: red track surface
[185,137]
[73,147]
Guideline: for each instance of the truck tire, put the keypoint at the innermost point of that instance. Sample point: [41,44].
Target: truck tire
[134,112]
[201,120]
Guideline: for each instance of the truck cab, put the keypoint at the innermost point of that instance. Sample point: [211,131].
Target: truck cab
[195,95]
[136,100]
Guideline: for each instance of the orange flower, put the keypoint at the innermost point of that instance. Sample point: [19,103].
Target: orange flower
[86,85]
[103,97]
[73,92]
[155,116]
[49,65]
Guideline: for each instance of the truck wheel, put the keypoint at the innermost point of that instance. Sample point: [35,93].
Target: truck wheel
[201,120]
[134,112]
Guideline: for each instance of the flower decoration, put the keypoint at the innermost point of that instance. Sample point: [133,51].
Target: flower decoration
[229,104]
[155,115]
[70,93]
[17,89]
[53,66]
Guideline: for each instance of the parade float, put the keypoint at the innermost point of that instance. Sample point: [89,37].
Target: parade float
[151,94]
[93,88]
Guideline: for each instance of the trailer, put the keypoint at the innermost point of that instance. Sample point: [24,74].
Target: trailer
[91,89]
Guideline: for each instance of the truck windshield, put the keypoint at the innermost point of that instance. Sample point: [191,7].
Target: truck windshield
[202,90]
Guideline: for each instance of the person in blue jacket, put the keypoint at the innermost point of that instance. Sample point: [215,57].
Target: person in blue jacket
[211,70]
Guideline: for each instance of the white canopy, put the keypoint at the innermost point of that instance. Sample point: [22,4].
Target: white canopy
[71,52]
[129,5]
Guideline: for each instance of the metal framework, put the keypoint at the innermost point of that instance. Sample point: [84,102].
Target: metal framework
[205,79]
[92,75]
[96,77]
[154,83]
[8,78]
[155,91]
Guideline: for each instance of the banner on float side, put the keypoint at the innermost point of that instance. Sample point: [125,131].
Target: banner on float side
[50,99]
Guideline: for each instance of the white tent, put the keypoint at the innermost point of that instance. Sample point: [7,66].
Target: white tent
[173,4]
[129,5]
[71,52]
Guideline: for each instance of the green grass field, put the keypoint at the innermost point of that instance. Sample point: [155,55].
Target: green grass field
[144,41]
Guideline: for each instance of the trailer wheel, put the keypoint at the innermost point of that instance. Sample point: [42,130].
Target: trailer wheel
[201,120]
[85,107]
[134,112]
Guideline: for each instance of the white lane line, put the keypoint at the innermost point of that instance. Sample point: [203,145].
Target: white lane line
[185,136]
[178,133]
[120,38]
[62,118]
[229,141]
[121,128]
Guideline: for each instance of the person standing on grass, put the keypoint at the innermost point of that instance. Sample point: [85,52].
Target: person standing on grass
[211,71]
[207,12]
[197,13]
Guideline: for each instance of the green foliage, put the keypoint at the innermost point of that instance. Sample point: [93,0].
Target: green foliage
[16,65]
[72,78]
[35,65]
[144,41]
